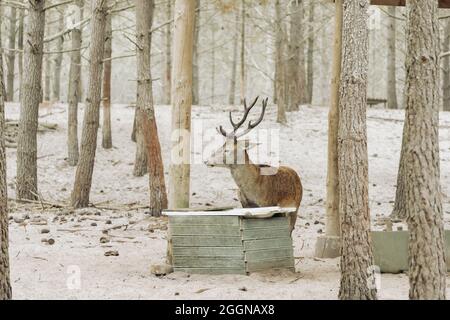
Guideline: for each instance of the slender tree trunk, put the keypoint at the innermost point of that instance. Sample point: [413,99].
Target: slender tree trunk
[20,48]
[81,87]
[144,99]
[243,79]
[423,202]
[232,92]
[106,128]
[74,91]
[195,69]
[133,132]
[399,211]
[357,280]
[182,103]
[56,85]
[392,62]
[324,59]
[148,132]
[446,67]
[310,58]
[280,64]
[85,168]
[296,71]
[168,56]
[5,283]
[29,107]
[11,56]
[333,228]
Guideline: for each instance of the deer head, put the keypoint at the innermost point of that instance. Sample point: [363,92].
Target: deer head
[234,151]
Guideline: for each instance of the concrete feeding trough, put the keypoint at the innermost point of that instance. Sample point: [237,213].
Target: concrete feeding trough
[235,241]
[390,250]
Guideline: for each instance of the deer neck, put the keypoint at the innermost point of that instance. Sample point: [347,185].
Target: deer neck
[245,175]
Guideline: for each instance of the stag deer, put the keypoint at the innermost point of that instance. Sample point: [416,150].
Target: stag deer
[256,188]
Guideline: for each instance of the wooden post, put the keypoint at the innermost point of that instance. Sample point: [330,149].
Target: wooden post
[183,37]
[328,246]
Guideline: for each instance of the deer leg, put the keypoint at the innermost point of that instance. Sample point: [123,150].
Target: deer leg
[245,202]
[291,216]
[292,220]
[169,253]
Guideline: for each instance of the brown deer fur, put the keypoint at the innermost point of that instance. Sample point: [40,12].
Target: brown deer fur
[283,189]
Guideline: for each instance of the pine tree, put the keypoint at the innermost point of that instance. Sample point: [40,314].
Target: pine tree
[356,255]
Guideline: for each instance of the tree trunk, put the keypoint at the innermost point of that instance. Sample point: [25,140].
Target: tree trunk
[357,281]
[106,128]
[392,64]
[140,163]
[195,70]
[333,221]
[423,202]
[81,87]
[310,61]
[74,92]
[85,168]
[243,80]
[144,90]
[324,60]
[182,104]
[399,211]
[168,56]
[446,67]
[296,62]
[11,56]
[329,245]
[5,284]
[280,64]
[20,48]
[232,92]
[133,132]
[148,132]
[29,107]
[56,85]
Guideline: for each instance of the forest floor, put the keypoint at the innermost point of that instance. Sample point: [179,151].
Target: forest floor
[75,266]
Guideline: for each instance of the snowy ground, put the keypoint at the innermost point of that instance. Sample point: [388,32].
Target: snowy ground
[75,266]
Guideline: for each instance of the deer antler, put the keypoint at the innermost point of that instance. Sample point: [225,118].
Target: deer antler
[264,106]
[236,126]
[251,125]
[222,131]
